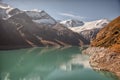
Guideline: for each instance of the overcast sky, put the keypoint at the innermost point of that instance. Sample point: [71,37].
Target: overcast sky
[76,9]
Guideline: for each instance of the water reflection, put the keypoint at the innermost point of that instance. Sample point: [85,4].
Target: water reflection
[76,62]
[47,64]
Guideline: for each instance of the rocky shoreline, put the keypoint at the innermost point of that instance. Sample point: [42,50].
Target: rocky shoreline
[105,48]
[104,59]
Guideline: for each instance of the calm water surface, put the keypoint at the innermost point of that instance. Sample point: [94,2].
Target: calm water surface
[48,64]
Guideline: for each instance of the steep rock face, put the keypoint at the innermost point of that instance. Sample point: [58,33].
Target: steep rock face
[10,38]
[109,58]
[26,27]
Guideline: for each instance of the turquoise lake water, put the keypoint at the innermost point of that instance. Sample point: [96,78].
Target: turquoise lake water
[48,64]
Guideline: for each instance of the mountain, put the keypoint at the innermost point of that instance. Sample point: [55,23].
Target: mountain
[38,16]
[20,31]
[3,9]
[106,48]
[72,23]
[9,36]
[7,11]
[41,17]
[90,29]
[90,25]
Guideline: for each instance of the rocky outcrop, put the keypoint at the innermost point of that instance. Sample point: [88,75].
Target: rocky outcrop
[107,58]
[104,59]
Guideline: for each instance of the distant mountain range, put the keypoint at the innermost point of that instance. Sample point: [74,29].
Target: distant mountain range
[19,29]
[86,29]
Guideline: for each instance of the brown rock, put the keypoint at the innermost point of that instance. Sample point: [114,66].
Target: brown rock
[109,58]
[109,36]
[106,61]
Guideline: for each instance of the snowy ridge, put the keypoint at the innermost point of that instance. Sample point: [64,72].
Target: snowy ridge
[4,6]
[72,23]
[4,9]
[41,17]
[90,25]
[38,16]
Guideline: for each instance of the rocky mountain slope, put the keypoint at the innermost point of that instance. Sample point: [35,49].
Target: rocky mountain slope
[106,48]
[19,29]
[10,37]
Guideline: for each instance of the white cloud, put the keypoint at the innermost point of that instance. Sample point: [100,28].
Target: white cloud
[72,16]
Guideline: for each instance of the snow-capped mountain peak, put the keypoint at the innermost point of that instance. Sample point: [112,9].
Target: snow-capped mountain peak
[4,10]
[72,23]
[38,16]
[41,17]
[91,25]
